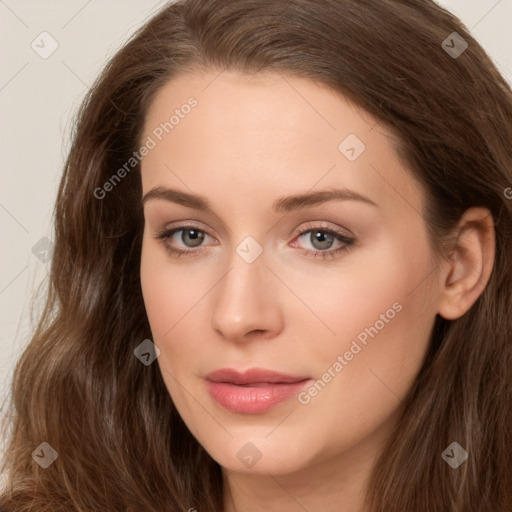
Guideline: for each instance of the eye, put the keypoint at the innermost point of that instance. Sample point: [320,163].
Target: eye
[188,240]
[191,237]
[322,239]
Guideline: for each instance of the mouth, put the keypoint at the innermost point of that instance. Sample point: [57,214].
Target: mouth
[254,391]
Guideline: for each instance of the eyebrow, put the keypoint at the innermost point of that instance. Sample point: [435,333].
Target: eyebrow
[281,205]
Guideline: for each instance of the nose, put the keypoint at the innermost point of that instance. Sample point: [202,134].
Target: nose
[246,302]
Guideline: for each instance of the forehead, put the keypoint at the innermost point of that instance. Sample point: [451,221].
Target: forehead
[263,103]
[271,133]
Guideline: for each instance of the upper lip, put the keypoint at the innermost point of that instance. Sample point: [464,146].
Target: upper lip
[251,376]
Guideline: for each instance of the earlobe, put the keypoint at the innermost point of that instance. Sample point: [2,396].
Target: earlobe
[469,264]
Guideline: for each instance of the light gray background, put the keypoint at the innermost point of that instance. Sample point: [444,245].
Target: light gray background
[38,97]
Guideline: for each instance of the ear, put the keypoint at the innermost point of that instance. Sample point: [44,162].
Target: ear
[469,263]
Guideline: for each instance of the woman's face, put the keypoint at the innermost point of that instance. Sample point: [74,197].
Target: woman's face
[305,254]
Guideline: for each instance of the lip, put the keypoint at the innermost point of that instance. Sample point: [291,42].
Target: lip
[253,391]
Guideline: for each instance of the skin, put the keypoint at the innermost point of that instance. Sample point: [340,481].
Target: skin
[249,141]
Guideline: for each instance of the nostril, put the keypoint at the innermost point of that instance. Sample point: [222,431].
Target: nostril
[255,332]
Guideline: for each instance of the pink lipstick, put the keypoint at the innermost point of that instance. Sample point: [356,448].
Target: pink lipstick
[253,391]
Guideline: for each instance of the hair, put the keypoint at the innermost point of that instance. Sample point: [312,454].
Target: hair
[120,441]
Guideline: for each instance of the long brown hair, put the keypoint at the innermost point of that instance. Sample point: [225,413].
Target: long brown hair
[121,443]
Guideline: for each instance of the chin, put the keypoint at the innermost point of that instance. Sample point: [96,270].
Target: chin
[257,455]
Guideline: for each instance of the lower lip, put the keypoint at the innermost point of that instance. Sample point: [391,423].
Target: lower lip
[253,399]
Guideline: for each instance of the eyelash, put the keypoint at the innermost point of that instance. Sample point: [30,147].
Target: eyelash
[348,242]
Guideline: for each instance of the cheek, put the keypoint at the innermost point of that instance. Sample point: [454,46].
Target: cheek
[173,297]
[170,291]
[384,314]
[382,320]
[157,295]
[364,293]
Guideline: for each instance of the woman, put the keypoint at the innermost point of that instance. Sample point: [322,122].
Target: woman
[282,271]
